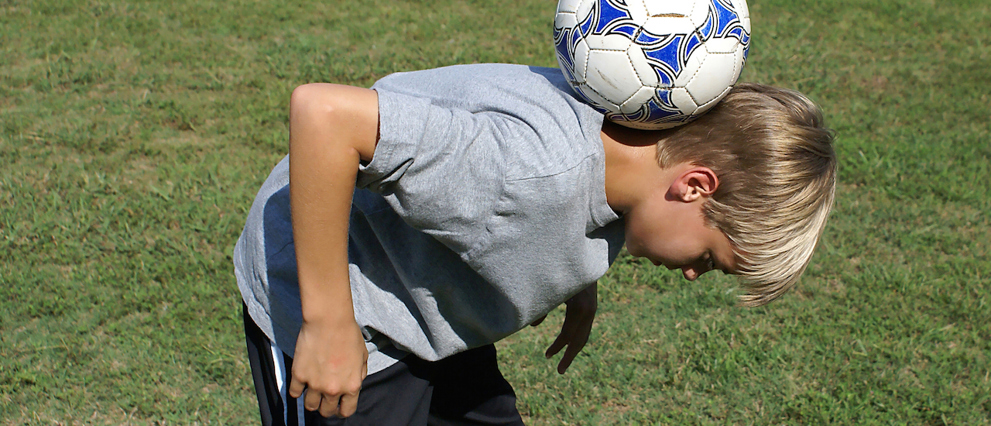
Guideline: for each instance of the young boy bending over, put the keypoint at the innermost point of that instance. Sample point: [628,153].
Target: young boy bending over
[443,210]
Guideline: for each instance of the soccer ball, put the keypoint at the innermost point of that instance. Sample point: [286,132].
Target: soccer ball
[652,64]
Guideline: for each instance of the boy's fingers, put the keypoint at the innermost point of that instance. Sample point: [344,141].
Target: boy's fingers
[328,406]
[576,323]
[575,346]
[312,400]
[574,333]
[296,387]
[349,404]
[569,356]
[577,326]
[563,338]
[555,347]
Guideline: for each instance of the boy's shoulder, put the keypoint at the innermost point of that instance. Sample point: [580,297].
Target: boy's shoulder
[528,117]
[473,77]
[507,88]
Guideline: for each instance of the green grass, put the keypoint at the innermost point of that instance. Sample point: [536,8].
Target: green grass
[133,136]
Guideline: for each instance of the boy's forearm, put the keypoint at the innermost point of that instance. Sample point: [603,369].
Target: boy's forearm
[332,129]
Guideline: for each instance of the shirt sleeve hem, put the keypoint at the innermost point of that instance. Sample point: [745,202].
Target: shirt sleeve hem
[402,122]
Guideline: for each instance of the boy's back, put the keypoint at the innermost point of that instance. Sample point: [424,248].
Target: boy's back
[482,209]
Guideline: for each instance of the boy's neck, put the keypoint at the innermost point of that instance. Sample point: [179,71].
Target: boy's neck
[632,172]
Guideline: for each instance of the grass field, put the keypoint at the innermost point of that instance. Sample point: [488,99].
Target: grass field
[134,134]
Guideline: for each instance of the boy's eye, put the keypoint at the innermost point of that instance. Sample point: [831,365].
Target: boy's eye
[710,263]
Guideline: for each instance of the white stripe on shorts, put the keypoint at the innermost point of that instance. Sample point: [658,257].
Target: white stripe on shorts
[280,380]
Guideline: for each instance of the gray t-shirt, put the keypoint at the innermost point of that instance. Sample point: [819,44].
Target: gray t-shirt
[483,208]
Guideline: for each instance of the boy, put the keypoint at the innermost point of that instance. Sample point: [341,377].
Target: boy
[488,195]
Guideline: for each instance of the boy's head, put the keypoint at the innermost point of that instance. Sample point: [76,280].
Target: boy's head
[776,177]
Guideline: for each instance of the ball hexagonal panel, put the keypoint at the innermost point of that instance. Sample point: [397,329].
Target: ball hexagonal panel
[612,75]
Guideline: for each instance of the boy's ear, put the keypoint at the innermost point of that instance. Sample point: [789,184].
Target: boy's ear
[693,184]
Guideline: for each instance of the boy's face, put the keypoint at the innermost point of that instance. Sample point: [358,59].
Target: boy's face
[668,229]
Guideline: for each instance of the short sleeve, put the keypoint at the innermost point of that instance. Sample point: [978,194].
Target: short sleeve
[439,168]
[401,119]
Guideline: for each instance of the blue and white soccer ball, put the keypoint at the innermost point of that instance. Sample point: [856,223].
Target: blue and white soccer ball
[652,64]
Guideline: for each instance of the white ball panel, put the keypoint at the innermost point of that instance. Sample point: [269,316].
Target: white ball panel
[608,42]
[722,45]
[699,12]
[584,9]
[668,7]
[597,98]
[692,67]
[683,101]
[612,75]
[569,6]
[714,76]
[637,9]
[565,20]
[739,63]
[663,25]
[643,69]
[708,105]
[637,100]
[581,60]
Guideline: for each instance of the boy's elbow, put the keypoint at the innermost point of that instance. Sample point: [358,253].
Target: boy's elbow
[314,113]
[324,113]
[312,101]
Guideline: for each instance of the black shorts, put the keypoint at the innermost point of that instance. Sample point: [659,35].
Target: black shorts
[464,389]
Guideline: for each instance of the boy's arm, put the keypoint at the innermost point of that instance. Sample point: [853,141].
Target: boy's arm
[332,129]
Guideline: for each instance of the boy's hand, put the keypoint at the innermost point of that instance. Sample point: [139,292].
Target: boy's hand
[574,333]
[330,362]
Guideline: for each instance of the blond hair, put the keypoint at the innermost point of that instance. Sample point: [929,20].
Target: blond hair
[777,170]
